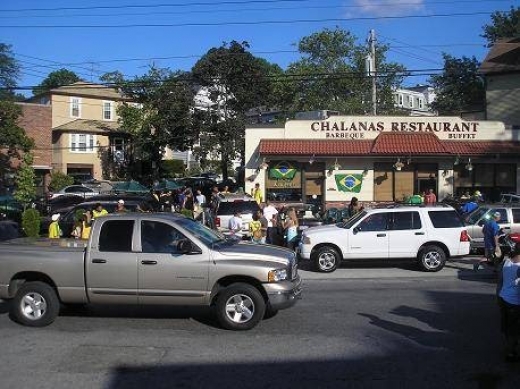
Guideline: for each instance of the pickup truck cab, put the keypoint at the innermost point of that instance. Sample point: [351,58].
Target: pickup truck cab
[148,258]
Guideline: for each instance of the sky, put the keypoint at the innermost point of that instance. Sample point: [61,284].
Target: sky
[92,37]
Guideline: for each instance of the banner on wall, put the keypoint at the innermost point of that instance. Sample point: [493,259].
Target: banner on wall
[349,182]
[282,171]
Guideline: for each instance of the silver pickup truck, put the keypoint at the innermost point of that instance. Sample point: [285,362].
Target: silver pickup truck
[148,258]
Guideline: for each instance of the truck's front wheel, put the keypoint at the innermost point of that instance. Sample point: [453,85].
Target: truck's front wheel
[240,307]
[35,304]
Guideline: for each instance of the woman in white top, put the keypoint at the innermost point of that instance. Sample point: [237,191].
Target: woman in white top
[291,229]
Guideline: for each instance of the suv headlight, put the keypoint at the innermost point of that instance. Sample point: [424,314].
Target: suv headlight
[277,275]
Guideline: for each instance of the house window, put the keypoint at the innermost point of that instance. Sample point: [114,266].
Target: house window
[75,107]
[107,110]
[410,101]
[400,100]
[82,143]
[420,103]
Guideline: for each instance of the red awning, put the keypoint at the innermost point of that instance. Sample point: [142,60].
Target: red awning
[388,144]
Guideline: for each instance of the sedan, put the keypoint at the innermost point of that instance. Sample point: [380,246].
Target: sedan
[79,190]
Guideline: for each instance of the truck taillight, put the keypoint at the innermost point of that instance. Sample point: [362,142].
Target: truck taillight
[464,237]
[217,222]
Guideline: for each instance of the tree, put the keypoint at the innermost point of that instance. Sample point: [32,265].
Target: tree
[504,25]
[25,188]
[60,180]
[331,75]
[9,72]
[163,117]
[237,81]
[56,79]
[459,88]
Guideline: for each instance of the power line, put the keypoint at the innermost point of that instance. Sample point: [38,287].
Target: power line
[219,10]
[251,23]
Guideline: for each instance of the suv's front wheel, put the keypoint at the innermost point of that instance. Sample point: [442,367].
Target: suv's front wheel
[326,259]
[432,258]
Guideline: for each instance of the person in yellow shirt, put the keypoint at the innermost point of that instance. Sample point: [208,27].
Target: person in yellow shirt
[99,211]
[54,227]
[86,225]
[257,193]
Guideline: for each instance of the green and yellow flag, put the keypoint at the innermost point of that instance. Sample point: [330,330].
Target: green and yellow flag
[349,182]
[282,171]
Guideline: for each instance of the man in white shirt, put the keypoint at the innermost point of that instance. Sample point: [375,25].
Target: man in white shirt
[235,225]
[270,213]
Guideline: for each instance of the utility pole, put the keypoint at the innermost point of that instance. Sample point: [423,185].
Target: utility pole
[372,69]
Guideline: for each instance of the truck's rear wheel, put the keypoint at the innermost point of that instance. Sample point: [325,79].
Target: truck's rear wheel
[240,307]
[35,304]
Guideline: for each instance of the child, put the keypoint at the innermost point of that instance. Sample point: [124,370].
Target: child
[54,227]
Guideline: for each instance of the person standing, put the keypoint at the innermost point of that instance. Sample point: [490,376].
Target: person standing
[214,202]
[491,231]
[255,228]
[235,225]
[120,207]
[508,290]
[270,213]
[86,225]
[354,207]
[200,198]
[257,193]
[188,206]
[54,227]
[430,198]
[291,229]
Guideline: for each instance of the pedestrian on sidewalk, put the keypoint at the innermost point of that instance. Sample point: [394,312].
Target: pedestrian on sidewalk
[508,290]
[491,231]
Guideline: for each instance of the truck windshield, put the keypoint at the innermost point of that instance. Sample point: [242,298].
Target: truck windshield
[206,235]
[353,220]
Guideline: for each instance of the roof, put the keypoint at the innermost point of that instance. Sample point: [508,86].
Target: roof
[88,90]
[318,147]
[396,143]
[87,125]
[387,144]
[503,57]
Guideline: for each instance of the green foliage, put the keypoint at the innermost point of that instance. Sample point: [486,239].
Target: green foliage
[60,180]
[172,168]
[31,222]
[9,72]
[331,74]
[163,119]
[459,88]
[25,188]
[503,25]
[237,81]
[56,79]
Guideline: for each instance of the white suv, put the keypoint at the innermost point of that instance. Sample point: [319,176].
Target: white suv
[228,204]
[428,234]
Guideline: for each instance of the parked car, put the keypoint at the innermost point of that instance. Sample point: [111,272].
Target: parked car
[149,201]
[148,259]
[10,229]
[228,205]
[79,190]
[10,208]
[428,235]
[60,204]
[308,214]
[509,221]
[203,183]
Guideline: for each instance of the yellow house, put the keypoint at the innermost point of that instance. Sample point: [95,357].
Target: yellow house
[86,137]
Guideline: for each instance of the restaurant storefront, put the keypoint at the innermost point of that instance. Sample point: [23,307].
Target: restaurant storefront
[381,158]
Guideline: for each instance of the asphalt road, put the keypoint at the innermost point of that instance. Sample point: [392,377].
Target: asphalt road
[377,326]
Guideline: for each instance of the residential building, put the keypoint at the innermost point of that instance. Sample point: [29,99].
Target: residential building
[415,100]
[501,71]
[86,137]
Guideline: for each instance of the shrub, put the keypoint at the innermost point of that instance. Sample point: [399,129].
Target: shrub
[31,222]
[60,180]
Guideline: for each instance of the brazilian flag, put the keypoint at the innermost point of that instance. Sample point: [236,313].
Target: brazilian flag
[349,182]
[282,171]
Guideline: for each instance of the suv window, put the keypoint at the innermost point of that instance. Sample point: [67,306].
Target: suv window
[116,235]
[503,215]
[229,207]
[516,215]
[374,222]
[445,219]
[406,221]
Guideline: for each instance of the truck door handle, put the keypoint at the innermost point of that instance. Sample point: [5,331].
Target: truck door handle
[506,228]
[149,262]
[419,233]
[381,235]
[99,261]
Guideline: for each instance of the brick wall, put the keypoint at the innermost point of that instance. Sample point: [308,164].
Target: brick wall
[36,121]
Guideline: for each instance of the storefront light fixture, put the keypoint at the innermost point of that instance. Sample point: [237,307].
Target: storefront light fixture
[398,165]
[264,165]
[337,166]
[469,165]
[312,159]
[365,173]
[457,160]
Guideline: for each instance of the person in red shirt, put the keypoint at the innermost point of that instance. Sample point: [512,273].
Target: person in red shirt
[430,198]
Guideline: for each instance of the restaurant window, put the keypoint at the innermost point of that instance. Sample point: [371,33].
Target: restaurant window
[284,181]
